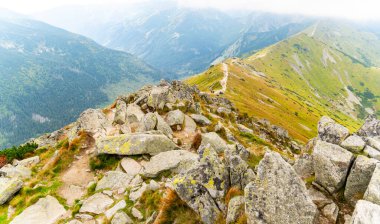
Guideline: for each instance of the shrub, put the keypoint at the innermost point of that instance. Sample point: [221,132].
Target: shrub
[19,152]
[103,161]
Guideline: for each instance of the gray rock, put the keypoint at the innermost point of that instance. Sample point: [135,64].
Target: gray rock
[27,162]
[8,188]
[121,218]
[214,141]
[92,121]
[278,195]
[135,144]
[331,212]
[235,209]
[244,129]
[46,210]
[200,119]
[371,152]
[330,131]
[304,166]
[136,195]
[240,172]
[121,112]
[175,117]
[359,178]
[114,180]
[153,185]
[97,204]
[134,114]
[331,165]
[148,123]
[15,171]
[366,213]
[318,198]
[137,214]
[370,128]
[374,142]
[74,221]
[372,193]
[354,143]
[158,97]
[190,125]
[131,167]
[175,160]
[163,126]
[110,212]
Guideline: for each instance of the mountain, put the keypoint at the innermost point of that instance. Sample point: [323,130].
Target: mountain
[48,76]
[296,81]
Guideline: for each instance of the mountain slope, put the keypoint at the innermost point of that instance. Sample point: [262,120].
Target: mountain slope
[48,76]
[295,82]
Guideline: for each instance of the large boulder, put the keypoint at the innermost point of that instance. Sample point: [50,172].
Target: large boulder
[175,117]
[374,142]
[330,131]
[331,165]
[189,126]
[92,121]
[15,171]
[114,180]
[278,195]
[214,141]
[148,123]
[131,166]
[359,178]
[240,172]
[366,213]
[354,143]
[158,97]
[370,128]
[304,166]
[163,126]
[46,210]
[372,193]
[173,160]
[121,112]
[135,144]
[134,114]
[371,152]
[28,162]
[96,204]
[9,187]
[200,119]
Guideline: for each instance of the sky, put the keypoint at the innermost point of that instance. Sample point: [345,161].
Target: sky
[350,9]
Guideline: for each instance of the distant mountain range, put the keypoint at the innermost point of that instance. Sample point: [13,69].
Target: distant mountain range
[48,76]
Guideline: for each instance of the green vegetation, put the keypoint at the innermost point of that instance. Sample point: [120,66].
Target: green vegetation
[104,162]
[18,152]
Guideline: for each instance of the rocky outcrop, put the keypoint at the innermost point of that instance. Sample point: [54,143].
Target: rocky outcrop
[370,128]
[15,171]
[96,204]
[92,121]
[134,114]
[331,165]
[46,210]
[135,144]
[8,187]
[278,195]
[354,144]
[330,131]
[372,193]
[214,141]
[366,213]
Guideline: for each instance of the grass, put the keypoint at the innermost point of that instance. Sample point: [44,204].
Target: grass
[104,162]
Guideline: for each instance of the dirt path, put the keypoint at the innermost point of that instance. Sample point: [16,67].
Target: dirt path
[224,81]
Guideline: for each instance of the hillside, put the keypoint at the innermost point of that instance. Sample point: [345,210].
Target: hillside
[295,82]
[48,76]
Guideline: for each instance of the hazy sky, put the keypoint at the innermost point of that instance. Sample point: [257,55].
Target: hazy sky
[353,9]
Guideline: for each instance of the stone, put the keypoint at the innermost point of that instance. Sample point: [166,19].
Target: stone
[331,212]
[92,121]
[330,131]
[121,218]
[158,97]
[120,112]
[8,188]
[46,210]
[244,129]
[137,214]
[374,142]
[304,166]
[319,198]
[214,141]
[148,123]
[235,209]
[175,117]
[74,221]
[359,178]
[84,217]
[110,212]
[200,119]
[153,185]
[96,204]
[190,125]
[278,195]
[371,152]
[331,165]
[131,166]
[134,114]
[240,172]
[135,144]
[174,160]
[27,162]
[15,171]
[370,128]
[114,180]
[372,193]
[354,144]
[136,181]
[163,126]
[136,195]
[366,213]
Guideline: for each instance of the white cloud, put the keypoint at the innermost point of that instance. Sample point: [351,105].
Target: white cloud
[353,9]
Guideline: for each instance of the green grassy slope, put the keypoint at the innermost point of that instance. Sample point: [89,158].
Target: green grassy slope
[295,82]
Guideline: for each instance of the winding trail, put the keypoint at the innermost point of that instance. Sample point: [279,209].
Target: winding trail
[223,82]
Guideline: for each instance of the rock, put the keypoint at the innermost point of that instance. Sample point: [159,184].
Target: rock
[200,119]
[374,142]
[371,152]
[158,97]
[330,131]
[15,171]
[114,180]
[163,126]
[240,172]
[153,185]
[238,150]
[359,178]
[97,204]
[92,121]
[121,112]
[331,165]
[136,181]
[331,212]
[190,125]
[235,209]
[366,213]
[148,123]
[134,114]
[223,110]
[175,117]
[46,210]
[372,193]
[244,129]
[121,218]
[8,188]
[370,128]
[318,198]
[347,219]
[175,160]
[27,162]
[136,195]
[84,217]
[214,141]
[110,212]
[280,133]
[135,144]
[74,221]
[137,214]
[354,144]
[131,167]
[304,166]
[278,195]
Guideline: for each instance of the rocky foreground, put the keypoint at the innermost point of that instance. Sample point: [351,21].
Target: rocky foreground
[171,154]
